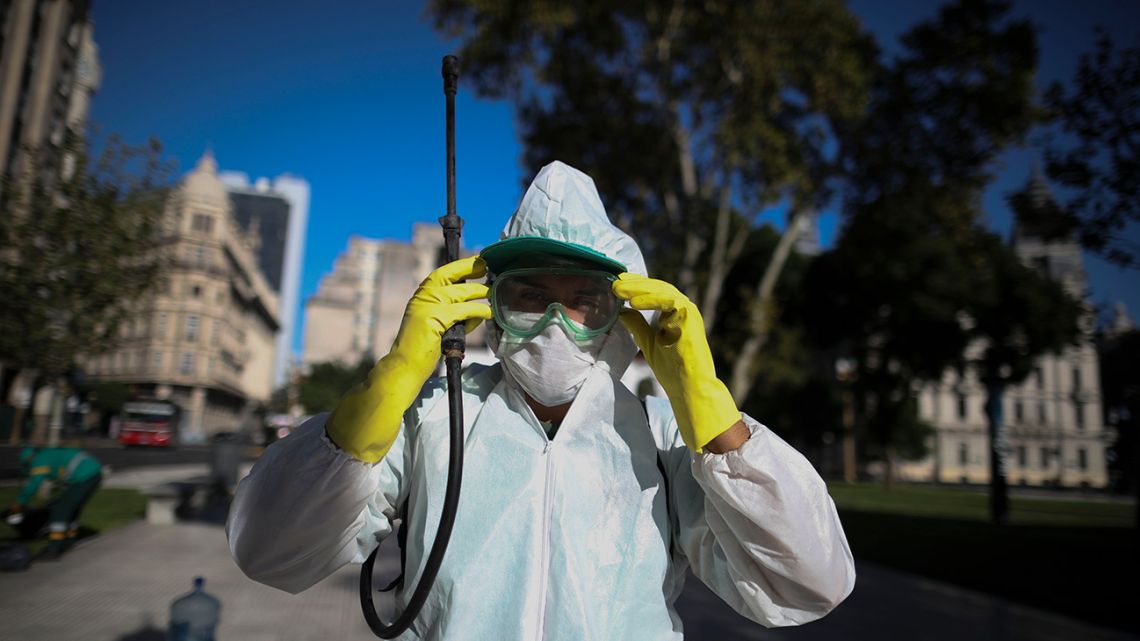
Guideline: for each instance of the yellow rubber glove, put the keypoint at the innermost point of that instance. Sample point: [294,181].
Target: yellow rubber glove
[679,356]
[367,419]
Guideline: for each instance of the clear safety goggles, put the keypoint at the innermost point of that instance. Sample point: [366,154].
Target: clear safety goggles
[525,301]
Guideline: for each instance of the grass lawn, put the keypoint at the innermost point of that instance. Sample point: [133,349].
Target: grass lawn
[1071,557]
[107,510]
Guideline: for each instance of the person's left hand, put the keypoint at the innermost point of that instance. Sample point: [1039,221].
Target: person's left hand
[679,355]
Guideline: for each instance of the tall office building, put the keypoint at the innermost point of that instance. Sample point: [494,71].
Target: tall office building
[277,213]
[49,69]
[1054,426]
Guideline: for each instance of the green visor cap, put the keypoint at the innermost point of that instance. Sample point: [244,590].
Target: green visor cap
[500,255]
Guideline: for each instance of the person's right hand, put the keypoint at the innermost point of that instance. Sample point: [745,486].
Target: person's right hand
[367,419]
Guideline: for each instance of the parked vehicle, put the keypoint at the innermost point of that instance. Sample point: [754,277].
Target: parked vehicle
[151,423]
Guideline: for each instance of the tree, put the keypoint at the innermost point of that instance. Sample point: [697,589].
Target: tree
[889,297]
[1120,384]
[80,252]
[1016,315]
[787,370]
[107,398]
[322,387]
[894,290]
[1101,166]
[693,117]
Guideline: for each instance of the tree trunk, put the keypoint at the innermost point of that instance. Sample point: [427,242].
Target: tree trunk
[725,252]
[687,166]
[7,379]
[742,372]
[849,475]
[21,414]
[55,419]
[10,376]
[999,491]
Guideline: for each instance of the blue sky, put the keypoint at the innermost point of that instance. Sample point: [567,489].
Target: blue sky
[351,100]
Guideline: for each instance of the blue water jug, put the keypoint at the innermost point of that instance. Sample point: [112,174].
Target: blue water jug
[194,617]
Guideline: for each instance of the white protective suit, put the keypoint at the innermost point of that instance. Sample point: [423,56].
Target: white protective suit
[576,538]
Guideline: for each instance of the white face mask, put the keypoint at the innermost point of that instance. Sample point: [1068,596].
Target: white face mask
[551,367]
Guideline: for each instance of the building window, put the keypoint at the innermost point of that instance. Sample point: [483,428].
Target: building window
[1045,457]
[156,362]
[214,333]
[963,453]
[1039,374]
[202,256]
[1042,417]
[1076,379]
[187,366]
[1079,414]
[1021,456]
[1018,411]
[961,407]
[195,291]
[202,222]
[160,326]
[192,328]
[1082,459]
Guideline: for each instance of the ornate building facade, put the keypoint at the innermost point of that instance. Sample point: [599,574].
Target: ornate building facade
[208,342]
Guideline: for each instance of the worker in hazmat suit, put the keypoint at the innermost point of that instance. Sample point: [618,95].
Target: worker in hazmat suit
[582,507]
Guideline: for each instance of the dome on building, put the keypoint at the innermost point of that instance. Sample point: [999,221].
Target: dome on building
[203,183]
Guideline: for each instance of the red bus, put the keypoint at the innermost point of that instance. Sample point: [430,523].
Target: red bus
[153,423]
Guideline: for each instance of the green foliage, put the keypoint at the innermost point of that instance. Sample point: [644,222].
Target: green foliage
[787,393]
[1099,158]
[959,94]
[79,253]
[322,387]
[679,111]
[107,396]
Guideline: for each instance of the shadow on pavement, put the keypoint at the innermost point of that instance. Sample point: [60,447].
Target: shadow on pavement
[201,502]
[146,633]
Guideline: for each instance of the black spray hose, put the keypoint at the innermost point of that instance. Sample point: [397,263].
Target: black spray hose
[453,347]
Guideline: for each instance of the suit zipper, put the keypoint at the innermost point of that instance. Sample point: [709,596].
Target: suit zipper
[548,508]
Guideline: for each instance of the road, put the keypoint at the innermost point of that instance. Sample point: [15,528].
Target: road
[116,456]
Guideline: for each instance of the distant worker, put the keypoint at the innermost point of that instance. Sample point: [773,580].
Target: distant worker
[79,474]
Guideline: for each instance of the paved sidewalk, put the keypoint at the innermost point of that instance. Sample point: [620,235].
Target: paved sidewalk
[118,587]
